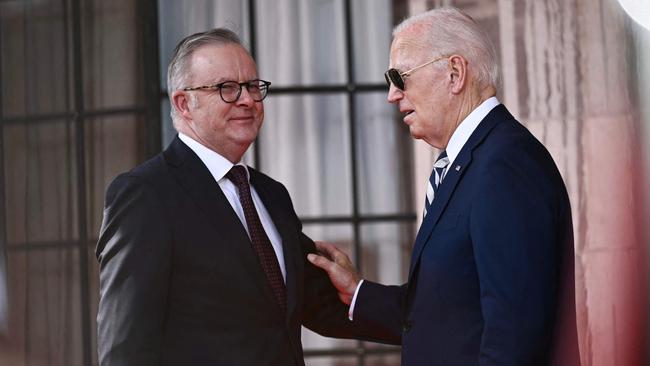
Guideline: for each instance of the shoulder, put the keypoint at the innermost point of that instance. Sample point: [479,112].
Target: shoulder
[150,169]
[272,192]
[143,180]
[260,179]
[511,144]
[513,161]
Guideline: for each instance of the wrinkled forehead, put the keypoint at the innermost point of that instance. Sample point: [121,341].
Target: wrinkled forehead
[407,48]
[223,61]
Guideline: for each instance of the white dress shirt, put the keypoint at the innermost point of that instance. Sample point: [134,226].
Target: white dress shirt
[467,127]
[455,144]
[219,167]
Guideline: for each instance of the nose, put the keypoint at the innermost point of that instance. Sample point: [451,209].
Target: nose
[245,99]
[394,94]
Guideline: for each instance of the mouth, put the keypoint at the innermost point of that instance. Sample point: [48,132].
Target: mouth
[242,118]
[407,112]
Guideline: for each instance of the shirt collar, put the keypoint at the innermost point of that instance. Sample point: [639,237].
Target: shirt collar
[467,127]
[218,165]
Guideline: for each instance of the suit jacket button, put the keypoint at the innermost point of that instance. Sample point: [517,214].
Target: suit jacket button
[406,326]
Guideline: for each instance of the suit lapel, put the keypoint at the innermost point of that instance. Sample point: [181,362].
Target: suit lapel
[200,186]
[453,176]
[443,195]
[287,233]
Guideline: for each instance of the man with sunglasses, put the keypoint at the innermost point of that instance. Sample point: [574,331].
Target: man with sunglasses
[491,278]
[202,259]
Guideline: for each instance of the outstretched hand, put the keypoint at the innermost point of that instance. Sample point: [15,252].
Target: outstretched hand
[339,268]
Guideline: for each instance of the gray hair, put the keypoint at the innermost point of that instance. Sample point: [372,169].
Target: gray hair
[449,31]
[178,69]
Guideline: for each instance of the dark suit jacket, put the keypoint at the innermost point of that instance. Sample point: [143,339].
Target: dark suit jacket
[491,277]
[180,283]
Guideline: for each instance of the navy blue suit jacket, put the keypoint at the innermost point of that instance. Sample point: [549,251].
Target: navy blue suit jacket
[491,275]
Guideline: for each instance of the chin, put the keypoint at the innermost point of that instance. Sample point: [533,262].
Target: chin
[245,141]
[415,133]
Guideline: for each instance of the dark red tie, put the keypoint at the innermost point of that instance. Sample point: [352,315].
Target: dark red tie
[261,243]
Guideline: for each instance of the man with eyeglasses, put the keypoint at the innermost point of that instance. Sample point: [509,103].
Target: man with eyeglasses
[491,278]
[203,259]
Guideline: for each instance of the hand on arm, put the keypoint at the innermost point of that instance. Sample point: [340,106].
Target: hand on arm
[339,268]
[342,280]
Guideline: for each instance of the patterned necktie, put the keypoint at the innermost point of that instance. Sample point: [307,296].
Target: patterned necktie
[437,175]
[261,243]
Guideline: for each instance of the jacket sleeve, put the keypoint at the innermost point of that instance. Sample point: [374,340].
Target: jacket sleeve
[134,251]
[516,238]
[380,307]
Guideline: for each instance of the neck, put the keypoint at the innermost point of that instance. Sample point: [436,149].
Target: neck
[233,153]
[468,102]
[472,100]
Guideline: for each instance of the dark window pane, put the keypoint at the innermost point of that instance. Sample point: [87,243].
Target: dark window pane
[305,145]
[33,57]
[41,182]
[112,54]
[113,145]
[45,318]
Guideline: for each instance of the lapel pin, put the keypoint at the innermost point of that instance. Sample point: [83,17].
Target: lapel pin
[457,168]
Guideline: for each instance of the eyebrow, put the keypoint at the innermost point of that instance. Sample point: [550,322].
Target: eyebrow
[219,80]
[224,79]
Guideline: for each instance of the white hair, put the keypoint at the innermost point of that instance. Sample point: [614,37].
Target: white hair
[448,31]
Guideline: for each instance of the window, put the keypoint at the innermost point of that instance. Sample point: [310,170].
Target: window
[329,135]
[75,110]
[82,98]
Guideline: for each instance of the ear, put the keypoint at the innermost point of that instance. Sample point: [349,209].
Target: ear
[181,101]
[457,73]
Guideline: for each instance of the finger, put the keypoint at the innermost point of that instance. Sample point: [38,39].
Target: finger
[330,250]
[320,261]
[333,253]
[321,250]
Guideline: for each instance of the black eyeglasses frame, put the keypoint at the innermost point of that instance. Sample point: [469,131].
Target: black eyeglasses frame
[262,85]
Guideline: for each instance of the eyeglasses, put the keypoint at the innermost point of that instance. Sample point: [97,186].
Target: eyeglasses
[397,78]
[230,91]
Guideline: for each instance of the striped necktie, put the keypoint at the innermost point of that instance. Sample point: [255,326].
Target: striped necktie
[437,175]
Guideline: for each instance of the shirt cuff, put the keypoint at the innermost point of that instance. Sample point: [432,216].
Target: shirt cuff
[354,300]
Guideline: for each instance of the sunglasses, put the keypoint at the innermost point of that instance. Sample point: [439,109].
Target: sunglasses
[397,78]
